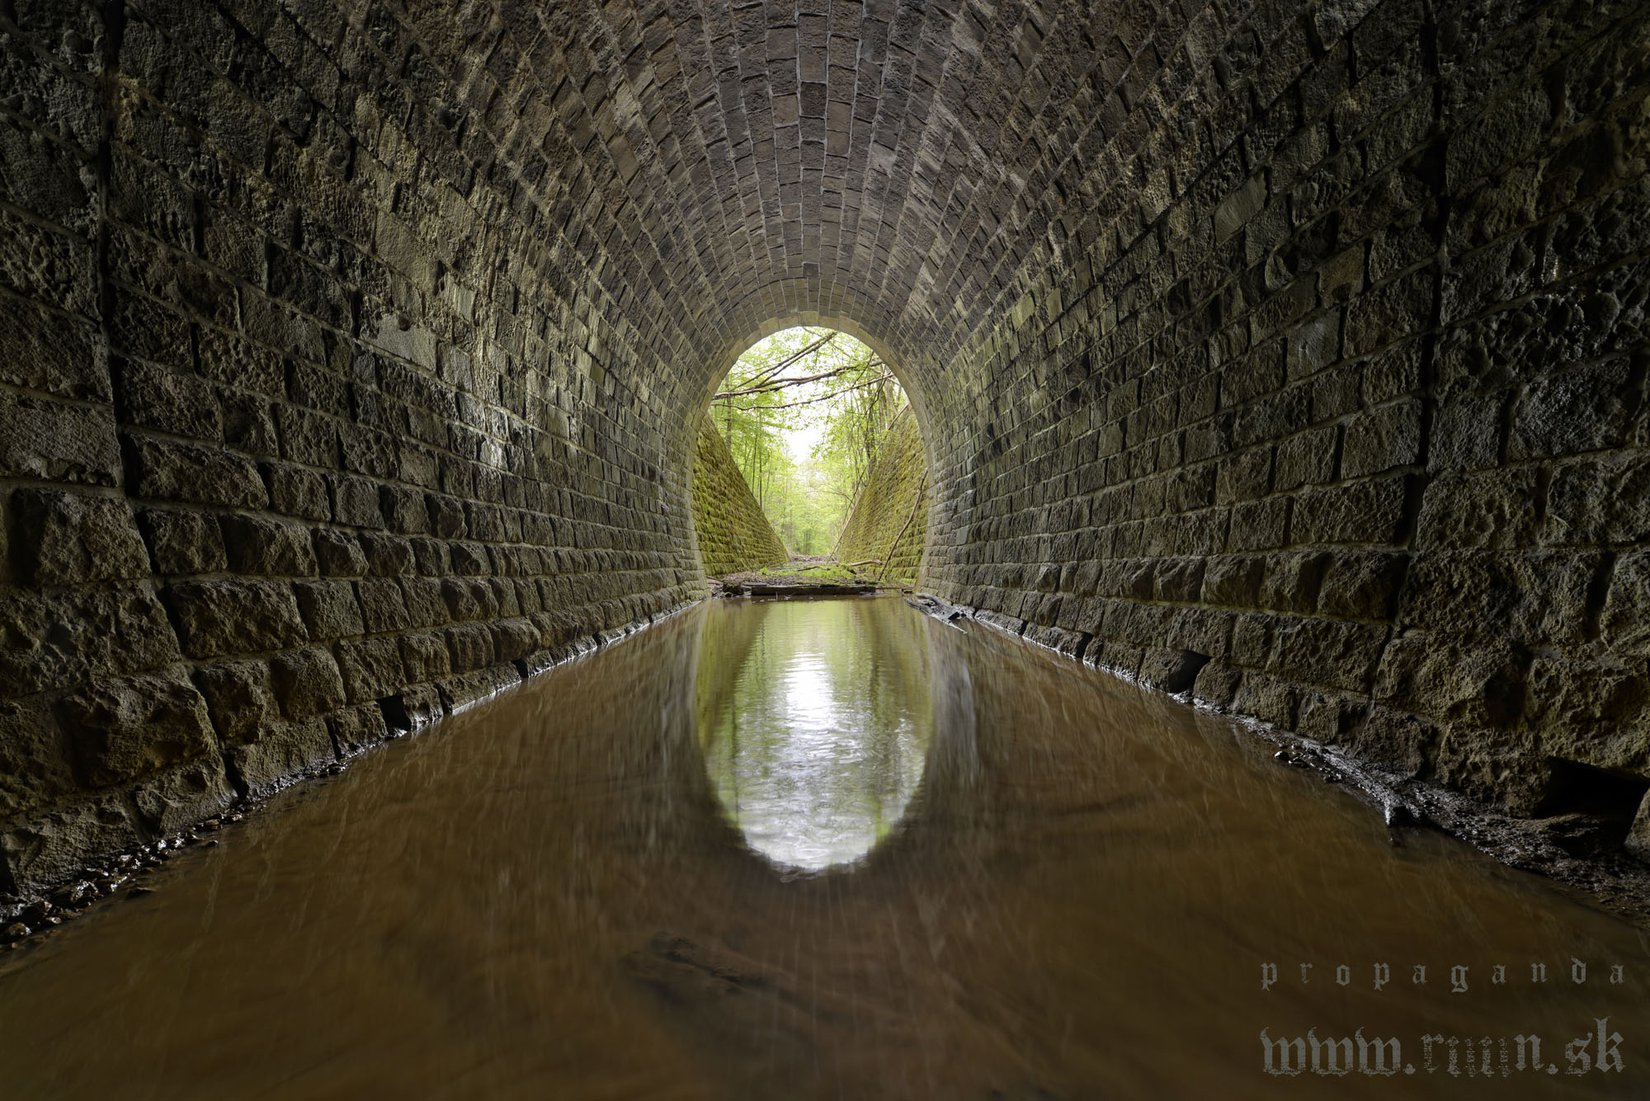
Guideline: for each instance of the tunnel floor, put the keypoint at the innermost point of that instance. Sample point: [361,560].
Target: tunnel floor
[822,849]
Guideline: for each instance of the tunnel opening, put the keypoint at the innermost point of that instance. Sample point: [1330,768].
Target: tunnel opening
[809,463]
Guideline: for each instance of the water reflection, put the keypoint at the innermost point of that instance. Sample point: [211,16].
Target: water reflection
[547,897]
[815,720]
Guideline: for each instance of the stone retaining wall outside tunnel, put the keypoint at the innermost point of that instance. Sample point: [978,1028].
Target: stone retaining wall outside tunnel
[889,521]
[734,534]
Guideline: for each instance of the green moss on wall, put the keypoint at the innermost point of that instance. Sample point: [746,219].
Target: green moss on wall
[890,520]
[734,535]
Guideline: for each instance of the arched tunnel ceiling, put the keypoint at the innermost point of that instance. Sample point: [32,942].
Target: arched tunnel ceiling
[890,163]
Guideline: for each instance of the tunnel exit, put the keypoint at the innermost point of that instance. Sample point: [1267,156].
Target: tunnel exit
[833,481]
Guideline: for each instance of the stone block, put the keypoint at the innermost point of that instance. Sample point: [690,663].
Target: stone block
[296,491]
[425,657]
[1267,698]
[284,752]
[383,606]
[412,708]
[238,697]
[271,548]
[1381,440]
[174,402]
[179,797]
[1216,684]
[371,668]
[307,682]
[249,427]
[122,729]
[1361,584]
[1490,509]
[1172,671]
[1238,207]
[355,501]
[466,600]
[404,511]
[1393,739]
[338,553]
[1314,344]
[52,352]
[53,441]
[45,849]
[1480,684]
[515,638]
[470,646]
[56,640]
[1357,512]
[35,768]
[1580,410]
[425,605]
[183,543]
[75,539]
[1330,653]
[464,689]
[226,618]
[1592,712]
[1259,525]
[308,438]
[1466,434]
[1233,581]
[1306,459]
[1599,501]
[184,472]
[1624,624]
[1180,580]
[356,728]
[329,609]
[1466,593]
[388,555]
[1292,582]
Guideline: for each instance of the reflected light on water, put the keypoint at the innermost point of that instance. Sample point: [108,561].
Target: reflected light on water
[587,890]
[816,751]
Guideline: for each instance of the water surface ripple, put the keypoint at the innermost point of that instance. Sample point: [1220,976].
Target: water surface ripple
[825,849]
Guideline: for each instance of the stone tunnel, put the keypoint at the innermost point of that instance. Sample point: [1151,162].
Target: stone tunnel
[1289,354]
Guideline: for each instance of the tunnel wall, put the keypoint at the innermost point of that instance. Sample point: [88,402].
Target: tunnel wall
[351,356]
[1328,404]
[889,520]
[734,534]
[312,427]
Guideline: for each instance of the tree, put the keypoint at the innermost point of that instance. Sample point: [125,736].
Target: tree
[809,383]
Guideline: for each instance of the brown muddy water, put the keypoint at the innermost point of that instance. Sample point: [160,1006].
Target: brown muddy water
[829,849]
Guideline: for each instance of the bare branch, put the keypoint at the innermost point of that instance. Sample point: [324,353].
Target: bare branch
[807,401]
[769,372]
[772,385]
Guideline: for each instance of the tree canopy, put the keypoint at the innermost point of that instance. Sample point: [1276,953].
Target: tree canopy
[804,413]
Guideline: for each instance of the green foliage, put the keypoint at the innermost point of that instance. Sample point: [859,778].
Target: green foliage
[807,384]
